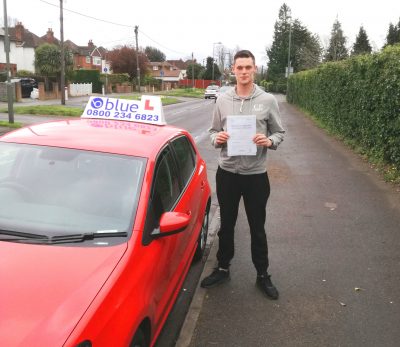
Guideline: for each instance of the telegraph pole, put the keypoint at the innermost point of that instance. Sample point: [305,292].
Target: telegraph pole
[137,57]
[10,92]
[192,72]
[62,82]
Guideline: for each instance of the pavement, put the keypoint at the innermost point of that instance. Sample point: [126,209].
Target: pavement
[333,229]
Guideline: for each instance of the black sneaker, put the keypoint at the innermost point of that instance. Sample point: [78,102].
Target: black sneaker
[218,276]
[265,284]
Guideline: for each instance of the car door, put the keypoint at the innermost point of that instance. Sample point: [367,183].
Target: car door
[165,192]
[190,199]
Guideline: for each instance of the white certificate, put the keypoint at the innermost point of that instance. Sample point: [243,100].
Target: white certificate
[241,130]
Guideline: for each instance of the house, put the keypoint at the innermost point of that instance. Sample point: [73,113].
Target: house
[22,48]
[182,65]
[88,57]
[23,44]
[169,74]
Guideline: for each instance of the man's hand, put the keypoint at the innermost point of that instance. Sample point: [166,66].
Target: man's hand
[221,138]
[262,140]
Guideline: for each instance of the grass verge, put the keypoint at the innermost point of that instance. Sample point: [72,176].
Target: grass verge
[59,110]
[185,92]
[47,110]
[10,125]
[166,100]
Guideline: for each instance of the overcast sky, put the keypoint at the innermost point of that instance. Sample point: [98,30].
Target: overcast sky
[180,28]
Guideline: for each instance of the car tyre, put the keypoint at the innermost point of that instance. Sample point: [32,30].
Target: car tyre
[202,240]
[139,340]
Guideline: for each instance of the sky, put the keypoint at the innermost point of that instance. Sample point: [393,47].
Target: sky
[182,28]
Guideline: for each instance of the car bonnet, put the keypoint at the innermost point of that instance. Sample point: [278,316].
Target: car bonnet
[45,290]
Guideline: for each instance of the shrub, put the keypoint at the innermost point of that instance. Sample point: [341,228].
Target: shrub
[87,76]
[358,98]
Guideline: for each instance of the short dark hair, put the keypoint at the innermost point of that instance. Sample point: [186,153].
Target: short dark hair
[244,54]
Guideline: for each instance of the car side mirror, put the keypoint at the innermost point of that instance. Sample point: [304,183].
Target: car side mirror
[171,223]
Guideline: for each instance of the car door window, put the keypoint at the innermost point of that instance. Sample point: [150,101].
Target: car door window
[185,157]
[165,192]
[166,184]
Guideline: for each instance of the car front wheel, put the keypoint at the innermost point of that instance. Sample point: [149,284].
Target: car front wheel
[202,240]
[139,339]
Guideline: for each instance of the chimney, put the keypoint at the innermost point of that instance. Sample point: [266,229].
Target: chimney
[19,32]
[90,44]
[50,36]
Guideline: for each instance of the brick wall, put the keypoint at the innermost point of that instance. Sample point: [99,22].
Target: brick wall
[198,83]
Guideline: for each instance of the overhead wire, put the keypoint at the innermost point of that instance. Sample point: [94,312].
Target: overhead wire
[113,23]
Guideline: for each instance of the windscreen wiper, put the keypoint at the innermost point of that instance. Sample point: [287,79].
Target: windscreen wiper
[67,238]
[85,236]
[17,235]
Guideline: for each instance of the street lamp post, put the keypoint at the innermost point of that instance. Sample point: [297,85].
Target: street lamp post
[137,57]
[215,43]
[288,68]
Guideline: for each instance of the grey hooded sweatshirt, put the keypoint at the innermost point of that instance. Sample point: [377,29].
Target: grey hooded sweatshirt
[265,107]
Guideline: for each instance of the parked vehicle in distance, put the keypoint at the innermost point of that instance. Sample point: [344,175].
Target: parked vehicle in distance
[100,220]
[27,85]
[211,91]
[222,90]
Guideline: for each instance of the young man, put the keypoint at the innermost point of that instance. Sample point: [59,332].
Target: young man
[244,175]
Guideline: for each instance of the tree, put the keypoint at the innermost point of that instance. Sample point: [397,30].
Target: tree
[361,46]
[305,48]
[398,32]
[337,44]
[48,61]
[393,35]
[207,75]
[154,54]
[308,54]
[123,60]
[278,53]
[197,70]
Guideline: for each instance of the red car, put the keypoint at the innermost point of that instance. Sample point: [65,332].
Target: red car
[100,220]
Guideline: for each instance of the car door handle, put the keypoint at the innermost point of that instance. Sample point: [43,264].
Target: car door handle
[202,185]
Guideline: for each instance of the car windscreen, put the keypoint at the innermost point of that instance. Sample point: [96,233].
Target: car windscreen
[57,191]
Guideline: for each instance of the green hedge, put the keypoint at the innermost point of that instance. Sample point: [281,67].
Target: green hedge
[115,78]
[275,86]
[87,76]
[358,98]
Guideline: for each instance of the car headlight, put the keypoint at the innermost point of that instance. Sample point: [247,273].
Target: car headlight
[85,343]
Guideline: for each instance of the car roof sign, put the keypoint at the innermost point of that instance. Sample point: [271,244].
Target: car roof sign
[147,110]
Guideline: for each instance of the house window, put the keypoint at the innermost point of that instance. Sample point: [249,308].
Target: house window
[97,61]
[155,68]
[88,59]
